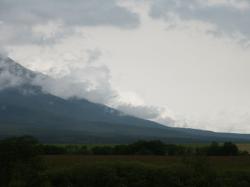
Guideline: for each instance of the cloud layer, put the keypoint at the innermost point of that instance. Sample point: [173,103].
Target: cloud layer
[228,16]
[29,14]
[77,12]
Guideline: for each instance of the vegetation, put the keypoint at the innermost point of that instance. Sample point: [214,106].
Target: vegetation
[20,163]
[148,171]
[141,164]
[154,147]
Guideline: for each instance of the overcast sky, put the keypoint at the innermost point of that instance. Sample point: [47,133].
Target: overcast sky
[182,63]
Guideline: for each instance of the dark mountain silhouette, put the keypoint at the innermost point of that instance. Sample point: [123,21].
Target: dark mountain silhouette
[26,109]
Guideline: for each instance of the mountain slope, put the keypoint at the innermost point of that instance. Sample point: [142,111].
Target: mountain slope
[52,114]
[25,109]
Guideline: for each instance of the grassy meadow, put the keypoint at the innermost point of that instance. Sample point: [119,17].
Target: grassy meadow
[218,163]
[148,171]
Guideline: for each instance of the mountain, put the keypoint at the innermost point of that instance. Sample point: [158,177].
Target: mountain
[26,109]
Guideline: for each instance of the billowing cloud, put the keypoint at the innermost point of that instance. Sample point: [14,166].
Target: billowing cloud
[93,86]
[228,16]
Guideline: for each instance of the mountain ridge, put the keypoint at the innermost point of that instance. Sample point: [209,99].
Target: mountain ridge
[26,109]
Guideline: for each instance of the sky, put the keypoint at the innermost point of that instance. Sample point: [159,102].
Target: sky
[181,63]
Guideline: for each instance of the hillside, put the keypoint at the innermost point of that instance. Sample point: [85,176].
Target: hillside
[26,109]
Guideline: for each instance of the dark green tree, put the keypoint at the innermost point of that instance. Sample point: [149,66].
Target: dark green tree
[229,148]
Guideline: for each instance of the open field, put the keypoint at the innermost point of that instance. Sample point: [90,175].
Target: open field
[149,171]
[225,163]
[244,147]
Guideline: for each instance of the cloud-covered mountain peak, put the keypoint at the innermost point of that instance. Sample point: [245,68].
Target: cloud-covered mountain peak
[10,66]
[13,74]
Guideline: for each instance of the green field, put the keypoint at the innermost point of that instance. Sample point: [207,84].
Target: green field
[217,163]
[148,171]
[225,163]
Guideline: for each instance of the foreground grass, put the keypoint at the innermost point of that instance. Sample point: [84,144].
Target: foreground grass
[148,171]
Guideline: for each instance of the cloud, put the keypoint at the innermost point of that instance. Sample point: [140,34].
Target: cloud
[3,53]
[84,80]
[103,56]
[7,78]
[229,17]
[95,88]
[91,81]
[77,12]
[146,112]
[48,23]
[34,21]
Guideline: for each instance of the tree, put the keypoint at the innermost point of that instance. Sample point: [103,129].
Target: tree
[20,164]
[154,147]
[229,148]
[214,149]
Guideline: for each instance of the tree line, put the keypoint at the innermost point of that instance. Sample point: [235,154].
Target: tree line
[154,147]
